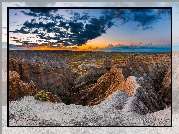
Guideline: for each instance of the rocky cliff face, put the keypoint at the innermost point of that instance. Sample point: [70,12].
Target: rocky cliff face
[147,84]
[165,90]
[144,99]
[55,80]
[155,71]
[106,85]
[19,89]
[143,83]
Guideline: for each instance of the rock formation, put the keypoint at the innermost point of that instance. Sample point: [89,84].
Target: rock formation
[147,85]
[55,80]
[166,88]
[144,82]
[19,89]
[105,86]
[53,98]
[117,100]
[144,99]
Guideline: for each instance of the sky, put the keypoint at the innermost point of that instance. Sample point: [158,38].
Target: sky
[127,26]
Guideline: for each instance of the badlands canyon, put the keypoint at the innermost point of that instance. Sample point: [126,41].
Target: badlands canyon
[137,83]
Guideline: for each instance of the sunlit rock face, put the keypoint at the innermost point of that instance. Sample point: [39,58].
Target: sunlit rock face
[144,99]
[146,82]
[154,79]
[19,89]
[141,98]
[105,85]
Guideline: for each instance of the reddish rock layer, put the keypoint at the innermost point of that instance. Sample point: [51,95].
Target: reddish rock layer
[55,80]
[18,89]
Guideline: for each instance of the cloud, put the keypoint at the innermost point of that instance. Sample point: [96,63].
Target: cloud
[76,28]
[144,20]
[81,27]
[29,13]
[144,17]
[40,12]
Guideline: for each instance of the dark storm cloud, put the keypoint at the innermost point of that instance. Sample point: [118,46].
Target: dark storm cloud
[79,17]
[33,24]
[29,25]
[62,24]
[76,27]
[144,17]
[85,16]
[58,17]
[95,28]
[32,20]
[82,31]
[119,14]
[76,16]
[44,12]
[81,27]
[50,25]
[21,31]
[145,20]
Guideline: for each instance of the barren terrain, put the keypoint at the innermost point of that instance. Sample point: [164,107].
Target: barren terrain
[116,85]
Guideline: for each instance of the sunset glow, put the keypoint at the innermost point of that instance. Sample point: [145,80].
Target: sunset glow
[88,29]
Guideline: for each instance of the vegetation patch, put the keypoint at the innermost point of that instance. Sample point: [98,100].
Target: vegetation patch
[42,96]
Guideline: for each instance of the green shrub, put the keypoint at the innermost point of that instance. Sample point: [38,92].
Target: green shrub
[41,96]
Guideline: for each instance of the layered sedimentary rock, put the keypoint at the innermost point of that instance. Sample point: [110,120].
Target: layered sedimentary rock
[166,88]
[143,83]
[96,71]
[106,85]
[144,99]
[156,72]
[147,84]
[55,80]
[53,98]
[19,89]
